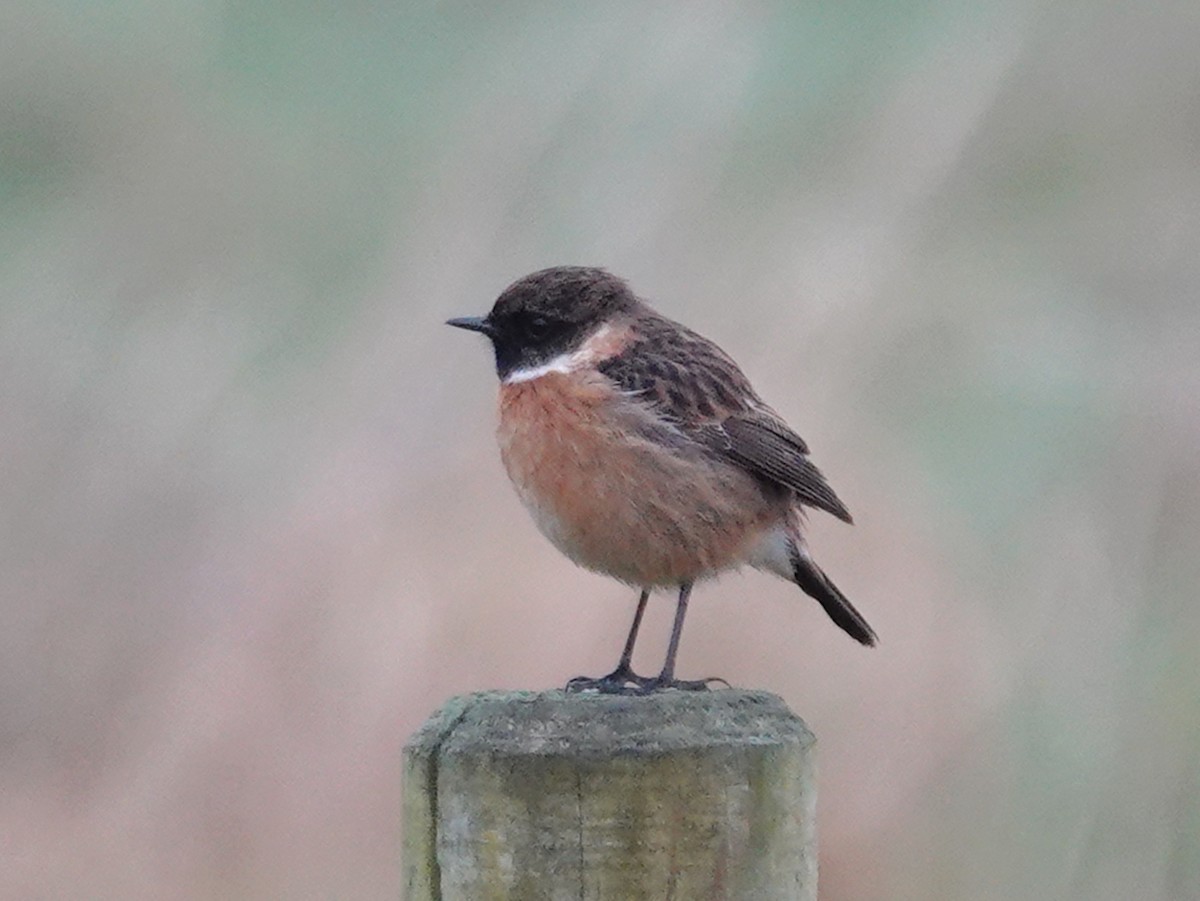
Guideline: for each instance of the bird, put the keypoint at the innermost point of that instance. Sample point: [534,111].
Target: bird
[642,452]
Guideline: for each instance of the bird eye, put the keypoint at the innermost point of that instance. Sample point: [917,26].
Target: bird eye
[538,327]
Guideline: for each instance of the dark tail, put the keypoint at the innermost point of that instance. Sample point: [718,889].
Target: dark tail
[816,584]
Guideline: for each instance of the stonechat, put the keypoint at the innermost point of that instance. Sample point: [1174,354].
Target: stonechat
[643,452]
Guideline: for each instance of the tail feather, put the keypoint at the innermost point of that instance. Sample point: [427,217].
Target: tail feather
[816,584]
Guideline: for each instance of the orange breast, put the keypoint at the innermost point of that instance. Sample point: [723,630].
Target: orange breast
[612,498]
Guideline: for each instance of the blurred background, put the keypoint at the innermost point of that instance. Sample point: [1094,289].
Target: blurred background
[255,528]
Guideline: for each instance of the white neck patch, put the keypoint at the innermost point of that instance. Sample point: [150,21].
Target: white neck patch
[563,363]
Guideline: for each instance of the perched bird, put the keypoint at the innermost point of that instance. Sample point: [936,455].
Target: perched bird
[643,452]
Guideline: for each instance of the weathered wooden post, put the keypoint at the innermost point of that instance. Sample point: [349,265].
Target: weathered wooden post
[677,795]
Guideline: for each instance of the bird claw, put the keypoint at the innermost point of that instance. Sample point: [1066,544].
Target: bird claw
[621,681]
[624,681]
[660,684]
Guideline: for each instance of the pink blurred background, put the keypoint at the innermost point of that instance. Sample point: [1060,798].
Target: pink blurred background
[255,528]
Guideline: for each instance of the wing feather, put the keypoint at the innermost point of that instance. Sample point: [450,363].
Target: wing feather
[762,444]
[699,388]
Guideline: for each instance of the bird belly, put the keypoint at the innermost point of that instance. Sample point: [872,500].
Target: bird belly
[618,492]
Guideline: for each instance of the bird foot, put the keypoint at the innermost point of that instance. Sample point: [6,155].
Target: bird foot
[658,683]
[624,681]
[621,681]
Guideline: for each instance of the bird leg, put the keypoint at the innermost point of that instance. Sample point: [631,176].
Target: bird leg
[666,679]
[622,680]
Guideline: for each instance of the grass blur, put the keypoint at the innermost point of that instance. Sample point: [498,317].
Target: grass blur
[255,529]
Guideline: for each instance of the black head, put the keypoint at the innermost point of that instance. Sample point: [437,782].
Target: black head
[549,313]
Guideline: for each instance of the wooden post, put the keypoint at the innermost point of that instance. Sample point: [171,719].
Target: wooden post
[520,796]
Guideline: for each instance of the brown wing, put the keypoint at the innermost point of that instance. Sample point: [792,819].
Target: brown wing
[701,389]
[763,444]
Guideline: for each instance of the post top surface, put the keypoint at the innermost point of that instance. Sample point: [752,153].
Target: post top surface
[556,723]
